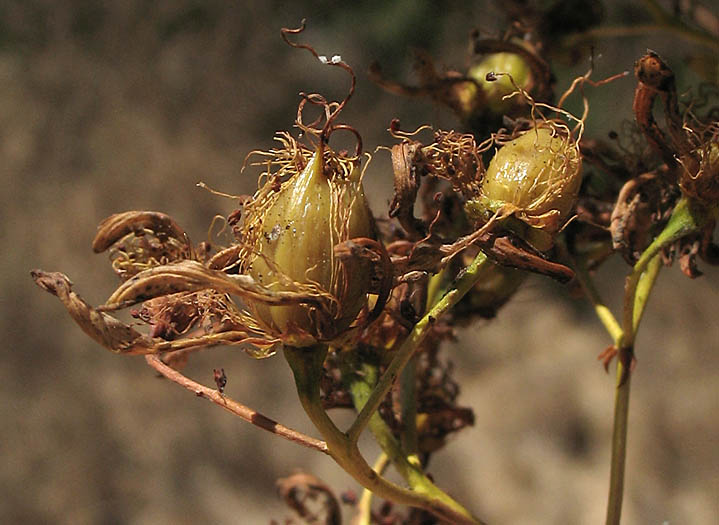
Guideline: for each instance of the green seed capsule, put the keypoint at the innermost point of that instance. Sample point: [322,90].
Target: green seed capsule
[510,63]
[535,177]
[311,214]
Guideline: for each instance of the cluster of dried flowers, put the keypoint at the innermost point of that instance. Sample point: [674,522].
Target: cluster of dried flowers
[309,264]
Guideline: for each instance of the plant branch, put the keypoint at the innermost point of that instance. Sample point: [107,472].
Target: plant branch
[306,364]
[462,284]
[603,312]
[406,462]
[686,218]
[246,413]
[364,507]
[619,444]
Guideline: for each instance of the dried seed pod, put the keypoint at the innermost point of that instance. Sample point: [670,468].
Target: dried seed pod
[536,178]
[292,238]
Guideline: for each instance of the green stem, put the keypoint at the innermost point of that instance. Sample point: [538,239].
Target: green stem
[604,314]
[638,288]
[462,284]
[686,218]
[306,365]
[361,387]
[644,289]
[364,507]
[619,445]
[408,396]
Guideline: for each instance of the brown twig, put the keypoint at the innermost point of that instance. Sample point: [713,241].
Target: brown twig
[248,414]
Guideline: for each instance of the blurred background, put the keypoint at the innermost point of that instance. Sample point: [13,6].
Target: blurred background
[119,105]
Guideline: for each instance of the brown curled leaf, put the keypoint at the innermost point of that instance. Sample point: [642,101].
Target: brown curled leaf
[121,338]
[502,251]
[406,184]
[116,226]
[310,498]
[189,276]
[382,276]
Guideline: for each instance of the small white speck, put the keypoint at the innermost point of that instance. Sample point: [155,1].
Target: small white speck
[336,59]
[274,233]
[323,59]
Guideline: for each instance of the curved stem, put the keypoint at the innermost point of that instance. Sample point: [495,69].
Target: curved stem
[306,365]
[406,464]
[462,284]
[686,218]
[364,507]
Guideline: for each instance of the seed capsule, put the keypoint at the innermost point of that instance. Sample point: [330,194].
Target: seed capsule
[495,91]
[535,177]
[314,211]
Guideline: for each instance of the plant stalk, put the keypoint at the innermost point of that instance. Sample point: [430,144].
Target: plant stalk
[461,285]
[306,365]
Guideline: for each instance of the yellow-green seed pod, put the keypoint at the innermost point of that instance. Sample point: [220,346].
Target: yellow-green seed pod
[510,63]
[536,178]
[313,212]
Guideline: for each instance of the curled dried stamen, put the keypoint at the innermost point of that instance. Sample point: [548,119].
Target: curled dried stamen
[190,276]
[335,61]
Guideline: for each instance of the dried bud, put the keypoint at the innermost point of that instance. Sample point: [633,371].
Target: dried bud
[496,87]
[700,177]
[294,236]
[536,178]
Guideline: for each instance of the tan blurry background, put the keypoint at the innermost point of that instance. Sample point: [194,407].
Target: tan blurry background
[111,106]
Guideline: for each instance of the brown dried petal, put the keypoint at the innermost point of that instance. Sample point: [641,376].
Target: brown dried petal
[642,205]
[116,226]
[120,338]
[301,489]
[406,184]
[103,328]
[187,276]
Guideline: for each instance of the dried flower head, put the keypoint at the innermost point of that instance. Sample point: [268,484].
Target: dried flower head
[303,265]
